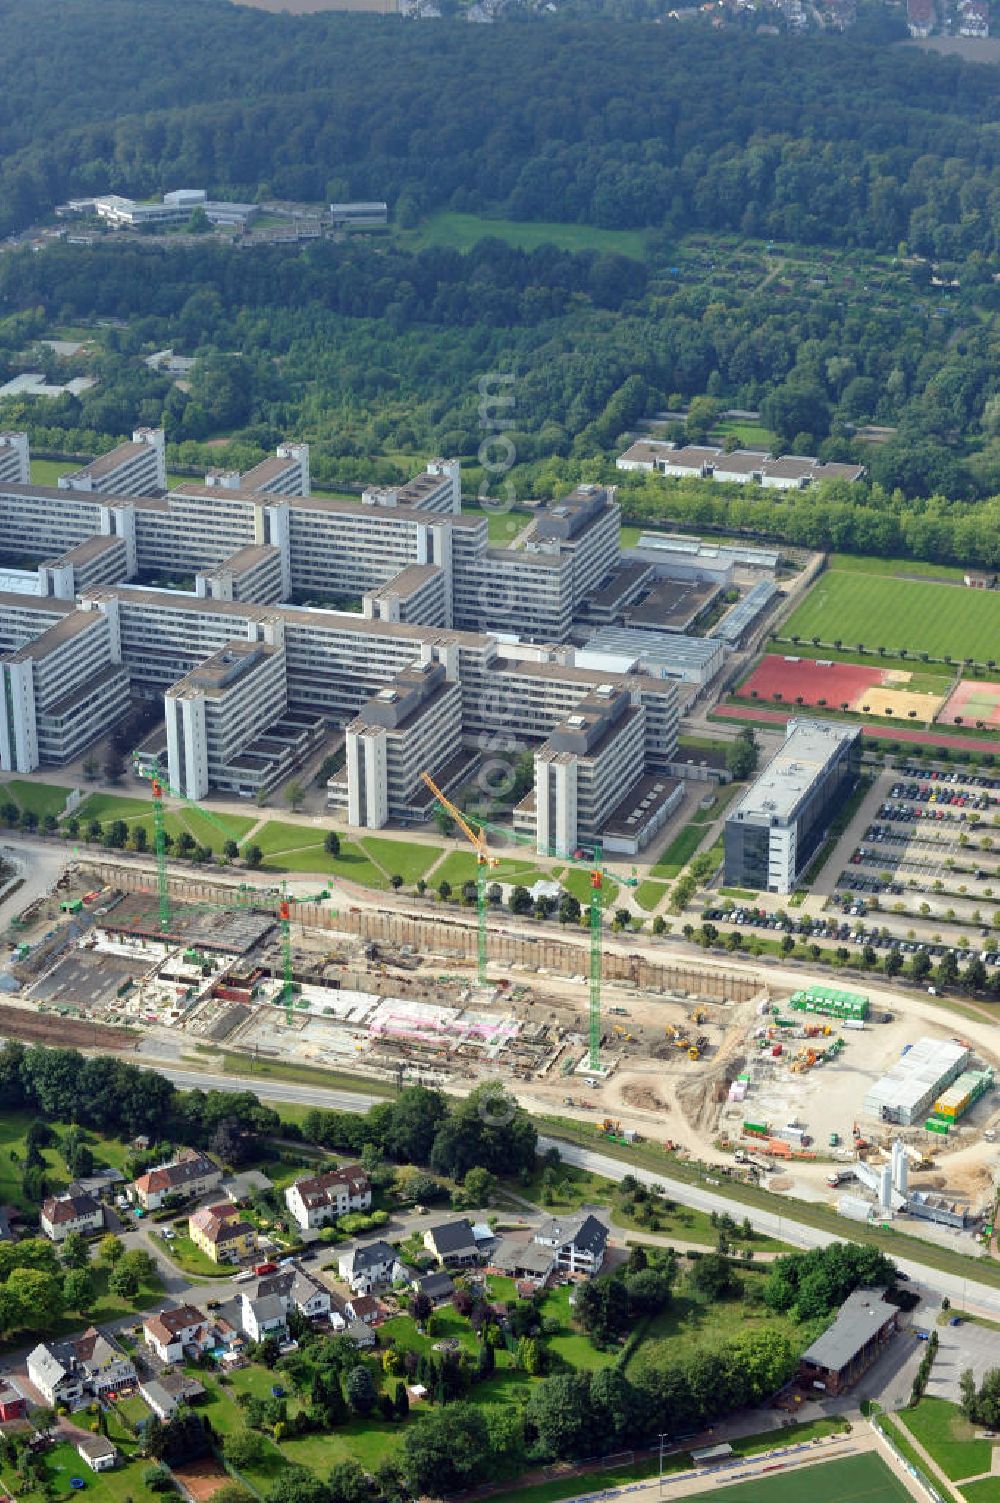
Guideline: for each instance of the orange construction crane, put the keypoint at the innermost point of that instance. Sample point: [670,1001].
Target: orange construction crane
[477,839]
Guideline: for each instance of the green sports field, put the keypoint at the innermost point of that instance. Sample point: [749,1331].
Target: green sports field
[853,1479]
[880,611]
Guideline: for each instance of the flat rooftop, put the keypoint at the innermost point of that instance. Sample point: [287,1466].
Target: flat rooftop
[673,604]
[664,650]
[106,464]
[809,747]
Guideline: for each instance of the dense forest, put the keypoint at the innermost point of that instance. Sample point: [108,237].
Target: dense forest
[821,229]
[819,139]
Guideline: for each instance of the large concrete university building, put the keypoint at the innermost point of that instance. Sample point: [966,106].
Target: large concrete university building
[263,617]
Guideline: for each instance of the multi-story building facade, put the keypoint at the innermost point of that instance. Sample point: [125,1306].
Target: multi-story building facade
[774,830]
[582,770]
[135,469]
[15,458]
[216,713]
[320,1198]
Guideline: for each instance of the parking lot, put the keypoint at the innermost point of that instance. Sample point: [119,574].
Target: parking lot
[961,1347]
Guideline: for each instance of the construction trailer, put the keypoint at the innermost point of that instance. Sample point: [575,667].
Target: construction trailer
[831,1002]
[963,1094]
[905,1094]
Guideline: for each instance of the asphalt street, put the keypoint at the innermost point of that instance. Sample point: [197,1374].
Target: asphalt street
[966,1293]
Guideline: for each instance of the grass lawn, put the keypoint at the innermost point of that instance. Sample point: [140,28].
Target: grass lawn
[299,848]
[630,535]
[569,1344]
[13,1127]
[650,894]
[48,471]
[679,852]
[460,866]
[36,798]
[183,1252]
[64,1462]
[750,435]
[850,1479]
[691,1324]
[576,879]
[108,806]
[948,1437]
[257,1382]
[405,858]
[789,1435]
[501,1289]
[503,526]
[986,1491]
[462,231]
[575,1188]
[893,613]
[367,1442]
[858,563]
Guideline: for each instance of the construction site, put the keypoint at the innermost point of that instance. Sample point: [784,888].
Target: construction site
[804,1090]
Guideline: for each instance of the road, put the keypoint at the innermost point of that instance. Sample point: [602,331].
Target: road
[963,1292]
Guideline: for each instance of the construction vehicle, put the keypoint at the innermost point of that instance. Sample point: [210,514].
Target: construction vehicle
[475,831]
[699,1016]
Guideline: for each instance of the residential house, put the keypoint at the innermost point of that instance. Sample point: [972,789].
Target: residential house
[220,1234]
[190,1175]
[239,1188]
[321,1198]
[865,1323]
[575,1244]
[361,1334]
[62,1214]
[364,1307]
[165,1394]
[297,1290]
[453,1243]
[921,17]
[98,1452]
[174,1331]
[365,1267]
[263,1316]
[13,1404]
[436,1286]
[87,1366]
[579,1243]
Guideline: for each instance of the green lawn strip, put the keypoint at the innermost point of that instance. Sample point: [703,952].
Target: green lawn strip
[64,1462]
[462,231]
[650,894]
[679,852]
[790,1435]
[190,1259]
[265,1069]
[276,836]
[13,1147]
[575,1484]
[987,1490]
[574,1188]
[460,866]
[367,1442]
[893,613]
[940,672]
[901,1440]
[864,564]
[946,1435]
[405,858]
[214,829]
[653,1156]
[106,807]
[36,798]
[864,1478]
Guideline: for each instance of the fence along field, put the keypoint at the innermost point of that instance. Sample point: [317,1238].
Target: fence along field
[943,620]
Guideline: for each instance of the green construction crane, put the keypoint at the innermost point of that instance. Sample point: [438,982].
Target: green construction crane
[150,770]
[475,830]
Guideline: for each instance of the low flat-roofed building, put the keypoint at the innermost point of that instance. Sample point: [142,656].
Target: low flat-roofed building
[907,1091]
[644,454]
[673,605]
[773,831]
[857,1338]
[673,655]
[791,472]
[360,214]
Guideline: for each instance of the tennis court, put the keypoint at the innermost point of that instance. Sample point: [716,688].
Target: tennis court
[864,1478]
[973,701]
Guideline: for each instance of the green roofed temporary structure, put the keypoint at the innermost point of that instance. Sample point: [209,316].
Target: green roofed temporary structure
[831,1002]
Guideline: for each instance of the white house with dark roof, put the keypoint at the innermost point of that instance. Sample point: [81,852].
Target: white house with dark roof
[297,1290]
[368,1266]
[87,1366]
[263,1316]
[578,1242]
[97,1451]
[319,1199]
[62,1214]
